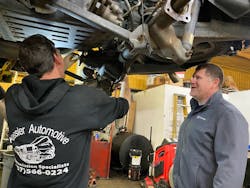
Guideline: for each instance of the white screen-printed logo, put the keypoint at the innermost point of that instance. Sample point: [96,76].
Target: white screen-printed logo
[200,117]
[42,148]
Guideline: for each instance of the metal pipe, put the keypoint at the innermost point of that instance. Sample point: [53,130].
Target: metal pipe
[188,36]
[164,20]
[178,5]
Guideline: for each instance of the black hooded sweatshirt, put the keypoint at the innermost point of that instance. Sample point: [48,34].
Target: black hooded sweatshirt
[50,126]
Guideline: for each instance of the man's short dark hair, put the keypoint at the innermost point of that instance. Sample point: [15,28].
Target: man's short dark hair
[36,55]
[213,70]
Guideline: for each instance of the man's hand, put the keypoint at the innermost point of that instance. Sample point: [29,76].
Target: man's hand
[70,59]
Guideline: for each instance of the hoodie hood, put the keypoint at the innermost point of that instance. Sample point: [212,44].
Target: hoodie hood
[35,96]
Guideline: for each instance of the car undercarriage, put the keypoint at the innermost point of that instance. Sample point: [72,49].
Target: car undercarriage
[129,36]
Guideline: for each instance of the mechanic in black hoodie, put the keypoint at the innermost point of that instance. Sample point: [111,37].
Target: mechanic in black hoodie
[50,122]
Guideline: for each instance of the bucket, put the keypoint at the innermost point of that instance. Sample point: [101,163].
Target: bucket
[8,161]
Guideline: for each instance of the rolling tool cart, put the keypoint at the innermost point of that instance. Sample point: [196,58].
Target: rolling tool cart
[162,167]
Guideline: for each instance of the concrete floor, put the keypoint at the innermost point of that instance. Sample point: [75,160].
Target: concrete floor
[117,180]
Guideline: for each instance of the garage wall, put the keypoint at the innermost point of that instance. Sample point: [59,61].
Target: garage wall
[241,101]
[150,112]
[154,108]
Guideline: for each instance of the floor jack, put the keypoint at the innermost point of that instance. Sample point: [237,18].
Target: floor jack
[161,166]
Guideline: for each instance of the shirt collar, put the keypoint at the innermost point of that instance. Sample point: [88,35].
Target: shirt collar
[213,99]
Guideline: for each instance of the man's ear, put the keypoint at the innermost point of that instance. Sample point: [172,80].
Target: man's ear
[216,81]
[57,58]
